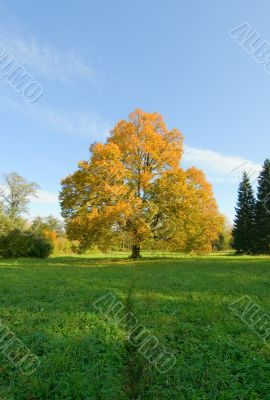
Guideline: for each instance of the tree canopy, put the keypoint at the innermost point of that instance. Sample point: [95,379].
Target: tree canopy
[133,186]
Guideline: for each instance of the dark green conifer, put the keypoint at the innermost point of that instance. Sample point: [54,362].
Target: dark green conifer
[244,224]
[262,214]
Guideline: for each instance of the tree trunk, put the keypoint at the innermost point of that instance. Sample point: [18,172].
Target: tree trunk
[136,250]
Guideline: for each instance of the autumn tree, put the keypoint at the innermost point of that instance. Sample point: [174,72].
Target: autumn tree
[133,185]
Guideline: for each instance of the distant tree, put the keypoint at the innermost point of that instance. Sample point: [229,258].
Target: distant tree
[224,241]
[15,194]
[49,223]
[37,224]
[262,217]
[5,223]
[133,184]
[55,224]
[244,224]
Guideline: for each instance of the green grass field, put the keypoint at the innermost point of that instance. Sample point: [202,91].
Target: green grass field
[184,302]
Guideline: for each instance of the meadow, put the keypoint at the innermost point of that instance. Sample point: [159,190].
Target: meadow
[183,301]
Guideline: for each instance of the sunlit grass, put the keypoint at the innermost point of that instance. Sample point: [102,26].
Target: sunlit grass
[183,301]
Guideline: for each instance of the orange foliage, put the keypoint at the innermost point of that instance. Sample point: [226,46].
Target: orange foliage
[51,235]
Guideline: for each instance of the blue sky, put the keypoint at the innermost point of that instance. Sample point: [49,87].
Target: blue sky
[99,60]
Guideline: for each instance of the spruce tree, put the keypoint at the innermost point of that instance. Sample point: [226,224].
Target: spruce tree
[244,224]
[262,217]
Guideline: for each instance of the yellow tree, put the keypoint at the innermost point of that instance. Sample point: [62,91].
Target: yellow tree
[134,184]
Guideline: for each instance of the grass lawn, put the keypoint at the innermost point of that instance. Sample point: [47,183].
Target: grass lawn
[184,302]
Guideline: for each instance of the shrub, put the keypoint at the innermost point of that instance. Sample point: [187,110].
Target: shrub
[40,247]
[62,246]
[25,244]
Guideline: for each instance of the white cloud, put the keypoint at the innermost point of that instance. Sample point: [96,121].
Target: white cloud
[45,197]
[220,167]
[46,61]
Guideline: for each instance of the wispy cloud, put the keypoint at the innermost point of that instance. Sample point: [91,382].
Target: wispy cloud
[50,63]
[83,124]
[45,197]
[88,125]
[219,167]
[46,61]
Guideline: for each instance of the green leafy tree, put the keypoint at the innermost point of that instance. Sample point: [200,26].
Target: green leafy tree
[244,224]
[262,217]
[15,194]
[5,223]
